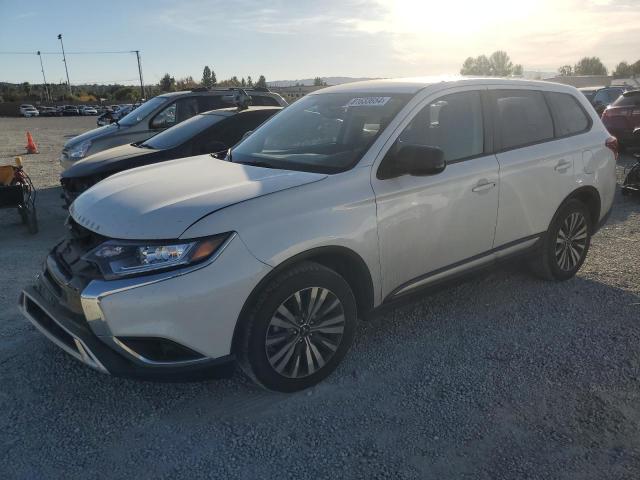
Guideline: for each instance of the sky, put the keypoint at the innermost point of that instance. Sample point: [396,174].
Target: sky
[295,39]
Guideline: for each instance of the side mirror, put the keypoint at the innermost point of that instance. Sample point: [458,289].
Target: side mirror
[417,160]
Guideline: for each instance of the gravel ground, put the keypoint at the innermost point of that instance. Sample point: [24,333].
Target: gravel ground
[504,376]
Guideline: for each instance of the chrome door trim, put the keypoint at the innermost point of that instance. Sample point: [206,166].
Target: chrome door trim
[469,263]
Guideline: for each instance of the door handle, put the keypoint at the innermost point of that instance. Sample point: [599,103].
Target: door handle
[562,166]
[483,186]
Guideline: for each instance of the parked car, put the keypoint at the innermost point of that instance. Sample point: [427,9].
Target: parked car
[155,115]
[27,110]
[87,110]
[589,92]
[605,97]
[70,111]
[622,117]
[208,132]
[48,112]
[348,199]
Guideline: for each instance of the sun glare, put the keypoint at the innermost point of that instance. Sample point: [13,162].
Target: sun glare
[456,18]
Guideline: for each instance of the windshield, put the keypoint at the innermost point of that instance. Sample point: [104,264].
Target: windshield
[182,132]
[136,115]
[325,133]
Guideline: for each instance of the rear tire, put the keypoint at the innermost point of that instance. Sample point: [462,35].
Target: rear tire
[566,244]
[299,328]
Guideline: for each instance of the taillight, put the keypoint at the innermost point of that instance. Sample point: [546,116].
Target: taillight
[612,144]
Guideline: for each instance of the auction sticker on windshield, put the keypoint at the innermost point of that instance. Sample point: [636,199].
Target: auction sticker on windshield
[368,101]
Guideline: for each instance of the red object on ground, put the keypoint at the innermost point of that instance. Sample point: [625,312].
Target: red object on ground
[31,145]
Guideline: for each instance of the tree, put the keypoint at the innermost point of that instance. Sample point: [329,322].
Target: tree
[126,94]
[262,82]
[318,82]
[501,65]
[249,81]
[207,78]
[186,83]
[243,83]
[623,69]
[167,83]
[565,70]
[497,65]
[590,66]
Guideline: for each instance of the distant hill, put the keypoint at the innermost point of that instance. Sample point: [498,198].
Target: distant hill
[309,81]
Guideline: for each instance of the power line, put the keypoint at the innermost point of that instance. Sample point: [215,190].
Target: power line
[70,53]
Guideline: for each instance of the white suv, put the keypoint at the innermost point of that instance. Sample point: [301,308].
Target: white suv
[27,110]
[350,198]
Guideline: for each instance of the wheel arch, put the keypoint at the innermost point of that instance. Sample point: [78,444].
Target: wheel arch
[342,260]
[590,197]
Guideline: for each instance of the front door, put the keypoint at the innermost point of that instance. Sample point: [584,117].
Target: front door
[430,224]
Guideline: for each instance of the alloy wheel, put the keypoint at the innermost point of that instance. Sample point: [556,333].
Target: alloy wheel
[571,241]
[305,332]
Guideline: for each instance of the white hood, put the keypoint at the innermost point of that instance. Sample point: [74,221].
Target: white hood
[161,201]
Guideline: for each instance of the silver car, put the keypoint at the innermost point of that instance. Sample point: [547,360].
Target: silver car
[155,115]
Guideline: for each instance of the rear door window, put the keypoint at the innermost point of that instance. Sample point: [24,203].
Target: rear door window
[522,118]
[569,117]
[186,108]
[211,102]
[232,130]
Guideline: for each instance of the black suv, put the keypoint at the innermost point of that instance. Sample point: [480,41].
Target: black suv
[160,113]
[211,132]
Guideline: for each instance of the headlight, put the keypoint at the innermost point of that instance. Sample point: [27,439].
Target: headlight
[80,150]
[122,258]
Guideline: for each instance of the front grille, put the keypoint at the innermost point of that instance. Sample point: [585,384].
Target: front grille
[69,253]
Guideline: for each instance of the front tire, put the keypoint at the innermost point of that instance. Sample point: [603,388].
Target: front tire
[299,328]
[566,244]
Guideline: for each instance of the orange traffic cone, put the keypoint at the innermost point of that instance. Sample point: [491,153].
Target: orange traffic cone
[31,145]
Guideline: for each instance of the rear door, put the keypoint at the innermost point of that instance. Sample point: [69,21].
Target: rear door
[536,170]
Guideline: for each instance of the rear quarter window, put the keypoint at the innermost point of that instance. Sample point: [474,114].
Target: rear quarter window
[262,101]
[522,118]
[569,117]
[628,100]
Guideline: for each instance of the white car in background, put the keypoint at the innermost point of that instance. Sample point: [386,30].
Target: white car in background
[88,110]
[27,110]
[350,198]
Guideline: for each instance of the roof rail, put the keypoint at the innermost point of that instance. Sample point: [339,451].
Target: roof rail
[226,89]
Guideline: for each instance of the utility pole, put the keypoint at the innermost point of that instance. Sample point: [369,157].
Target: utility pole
[46,87]
[64,59]
[137,52]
